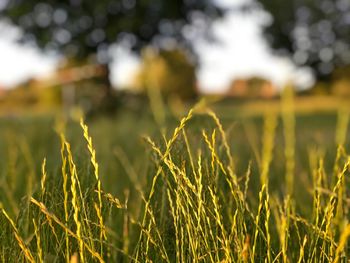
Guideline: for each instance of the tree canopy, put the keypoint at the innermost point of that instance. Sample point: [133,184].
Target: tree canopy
[169,71]
[79,28]
[315,33]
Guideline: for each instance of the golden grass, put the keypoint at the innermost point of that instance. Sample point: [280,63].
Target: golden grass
[198,206]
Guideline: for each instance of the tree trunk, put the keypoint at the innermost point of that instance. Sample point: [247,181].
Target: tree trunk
[109,99]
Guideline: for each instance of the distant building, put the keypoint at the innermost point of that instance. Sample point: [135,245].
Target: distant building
[70,75]
[79,85]
[84,86]
[254,87]
[2,90]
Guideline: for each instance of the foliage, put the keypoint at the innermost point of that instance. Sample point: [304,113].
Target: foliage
[315,33]
[169,71]
[81,28]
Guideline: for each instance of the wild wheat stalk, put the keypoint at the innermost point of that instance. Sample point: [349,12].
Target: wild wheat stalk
[270,123]
[169,145]
[38,242]
[28,255]
[53,217]
[224,138]
[43,177]
[75,202]
[65,194]
[257,220]
[342,243]
[94,163]
[302,249]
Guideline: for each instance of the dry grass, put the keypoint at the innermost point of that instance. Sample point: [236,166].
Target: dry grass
[198,206]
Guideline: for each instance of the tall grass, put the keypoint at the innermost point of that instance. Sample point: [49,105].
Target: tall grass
[199,204]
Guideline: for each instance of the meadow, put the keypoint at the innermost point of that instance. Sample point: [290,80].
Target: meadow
[214,183]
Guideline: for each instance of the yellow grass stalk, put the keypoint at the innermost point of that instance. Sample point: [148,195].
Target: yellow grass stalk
[286,217]
[75,203]
[257,220]
[38,242]
[145,231]
[224,139]
[230,177]
[342,126]
[283,216]
[180,176]
[246,249]
[129,169]
[189,151]
[186,222]
[341,131]
[43,177]
[169,145]
[177,131]
[331,206]
[246,182]
[253,139]
[214,156]
[94,163]
[342,243]
[177,173]
[302,250]
[73,172]
[218,218]
[28,255]
[340,218]
[184,203]
[156,103]
[65,193]
[46,212]
[28,157]
[12,174]
[288,119]
[153,225]
[317,181]
[175,215]
[126,235]
[49,220]
[267,221]
[113,200]
[270,124]
[200,213]
[199,184]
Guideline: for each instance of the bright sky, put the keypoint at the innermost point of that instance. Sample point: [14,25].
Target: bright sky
[242,52]
[18,63]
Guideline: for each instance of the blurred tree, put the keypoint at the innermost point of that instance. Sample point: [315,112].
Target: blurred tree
[84,29]
[315,33]
[169,71]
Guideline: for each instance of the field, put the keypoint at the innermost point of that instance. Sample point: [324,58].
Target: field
[224,182]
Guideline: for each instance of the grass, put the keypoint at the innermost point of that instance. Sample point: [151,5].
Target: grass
[270,187]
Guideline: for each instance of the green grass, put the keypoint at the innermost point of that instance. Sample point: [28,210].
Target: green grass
[208,187]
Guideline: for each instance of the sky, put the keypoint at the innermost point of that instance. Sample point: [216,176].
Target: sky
[240,51]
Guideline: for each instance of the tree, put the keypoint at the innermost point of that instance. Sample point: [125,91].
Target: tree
[315,33]
[168,71]
[84,29]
